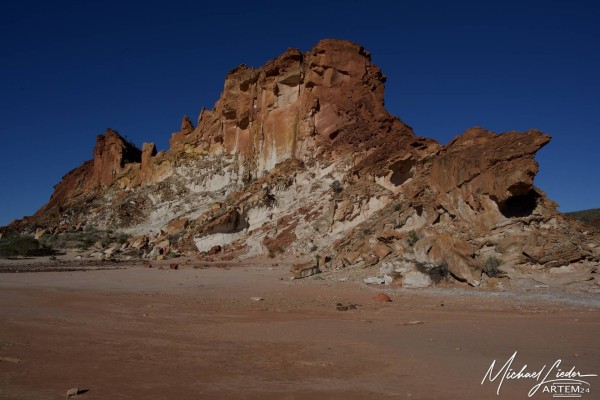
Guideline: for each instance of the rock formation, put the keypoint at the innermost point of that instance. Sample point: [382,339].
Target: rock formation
[301,157]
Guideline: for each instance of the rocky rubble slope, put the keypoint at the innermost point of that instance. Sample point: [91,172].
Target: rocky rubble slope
[300,157]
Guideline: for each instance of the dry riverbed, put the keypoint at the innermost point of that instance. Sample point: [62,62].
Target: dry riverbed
[246,331]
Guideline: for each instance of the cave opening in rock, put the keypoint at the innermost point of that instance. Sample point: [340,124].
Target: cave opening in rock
[233,223]
[519,205]
[402,171]
[419,210]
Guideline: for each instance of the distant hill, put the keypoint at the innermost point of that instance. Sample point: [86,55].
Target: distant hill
[590,217]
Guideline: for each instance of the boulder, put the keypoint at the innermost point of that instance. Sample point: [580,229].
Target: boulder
[138,242]
[214,250]
[374,280]
[382,298]
[415,279]
[381,251]
[177,225]
[300,271]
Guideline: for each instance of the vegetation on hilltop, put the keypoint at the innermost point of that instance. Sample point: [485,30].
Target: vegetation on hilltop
[590,217]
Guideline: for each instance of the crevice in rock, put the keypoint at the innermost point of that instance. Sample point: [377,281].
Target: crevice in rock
[292,80]
[229,114]
[131,154]
[233,223]
[456,277]
[244,122]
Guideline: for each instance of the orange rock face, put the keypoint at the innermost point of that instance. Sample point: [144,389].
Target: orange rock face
[300,157]
[147,163]
[500,166]
[111,154]
[328,99]
[324,102]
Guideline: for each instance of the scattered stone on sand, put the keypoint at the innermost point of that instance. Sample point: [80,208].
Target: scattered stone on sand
[304,270]
[374,280]
[382,298]
[173,266]
[341,307]
[11,360]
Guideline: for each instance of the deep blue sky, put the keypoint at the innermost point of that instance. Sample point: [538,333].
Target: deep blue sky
[69,70]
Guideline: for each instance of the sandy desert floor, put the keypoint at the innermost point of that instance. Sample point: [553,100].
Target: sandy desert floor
[196,333]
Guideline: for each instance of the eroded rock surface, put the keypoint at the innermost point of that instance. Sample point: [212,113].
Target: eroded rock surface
[301,157]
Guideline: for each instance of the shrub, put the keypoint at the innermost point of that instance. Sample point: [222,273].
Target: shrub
[412,238]
[174,238]
[336,186]
[439,273]
[491,266]
[24,246]
[436,273]
[48,240]
[122,238]
[85,243]
[83,239]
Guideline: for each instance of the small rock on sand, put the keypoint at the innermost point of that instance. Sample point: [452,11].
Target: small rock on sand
[374,280]
[382,298]
[10,360]
[341,307]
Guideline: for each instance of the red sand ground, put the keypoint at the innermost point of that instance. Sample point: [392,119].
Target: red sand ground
[138,333]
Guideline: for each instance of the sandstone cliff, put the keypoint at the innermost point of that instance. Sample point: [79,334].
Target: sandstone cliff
[301,157]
